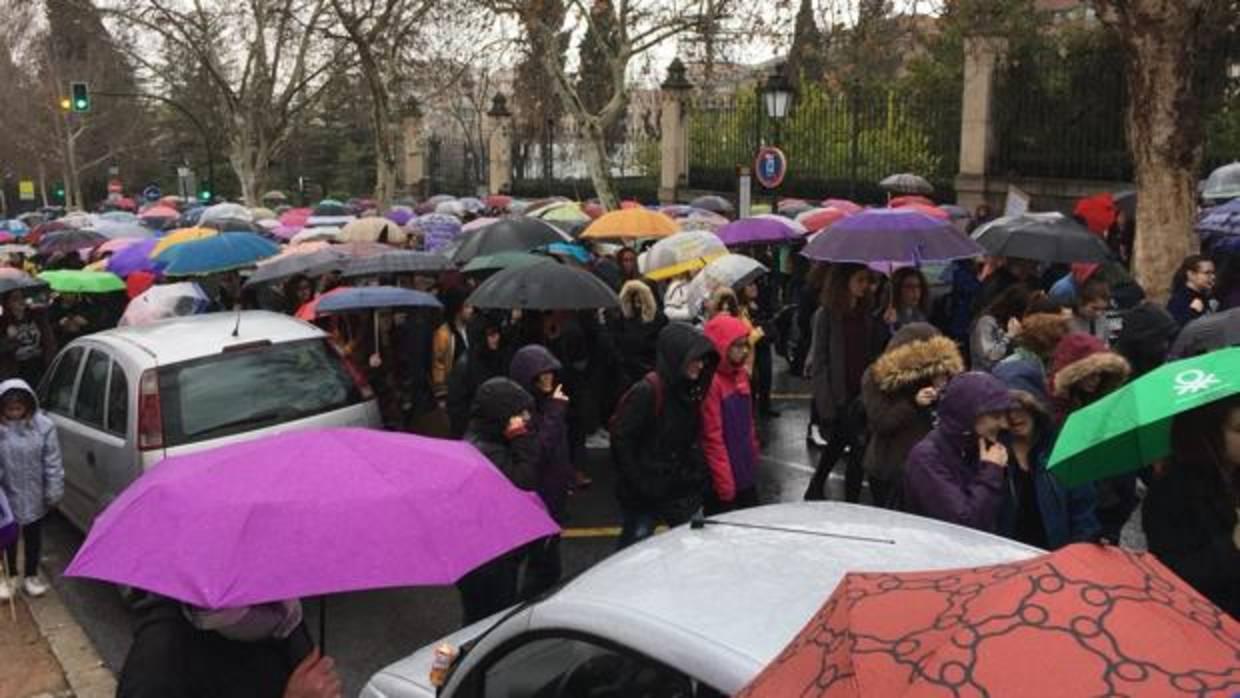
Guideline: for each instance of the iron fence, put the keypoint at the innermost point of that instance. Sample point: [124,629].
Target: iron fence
[452,166]
[551,161]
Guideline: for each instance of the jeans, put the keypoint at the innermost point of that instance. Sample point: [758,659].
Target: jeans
[640,524]
[32,538]
[843,442]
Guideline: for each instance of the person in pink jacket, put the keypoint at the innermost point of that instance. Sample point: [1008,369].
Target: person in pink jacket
[729,438]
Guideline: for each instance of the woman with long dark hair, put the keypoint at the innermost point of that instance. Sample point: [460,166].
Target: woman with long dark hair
[1190,512]
[910,299]
[847,339]
[990,340]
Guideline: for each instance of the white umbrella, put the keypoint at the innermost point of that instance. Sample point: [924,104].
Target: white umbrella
[907,183]
[681,253]
[730,270]
[226,212]
[165,301]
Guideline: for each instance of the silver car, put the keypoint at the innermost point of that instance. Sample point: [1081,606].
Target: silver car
[694,612]
[127,398]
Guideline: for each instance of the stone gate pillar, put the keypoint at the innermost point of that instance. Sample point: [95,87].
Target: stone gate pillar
[414,143]
[499,147]
[674,137]
[977,136]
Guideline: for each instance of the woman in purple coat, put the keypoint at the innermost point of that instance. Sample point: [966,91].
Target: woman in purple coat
[956,473]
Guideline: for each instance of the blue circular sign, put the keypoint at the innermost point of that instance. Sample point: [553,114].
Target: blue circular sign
[770,166]
[152,192]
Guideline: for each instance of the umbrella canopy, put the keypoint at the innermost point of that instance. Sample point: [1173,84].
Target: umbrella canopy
[559,211]
[165,301]
[899,201]
[714,204]
[502,260]
[546,286]
[134,258]
[160,212]
[280,518]
[1206,334]
[222,213]
[330,208]
[816,219]
[1098,212]
[784,220]
[757,231]
[262,213]
[928,209]
[1219,223]
[450,208]
[729,271]
[517,234]
[26,250]
[399,215]
[364,249]
[351,300]
[681,253]
[1223,183]
[81,281]
[907,183]
[224,252]
[123,229]
[274,195]
[181,236]
[288,265]
[397,262]
[296,216]
[478,223]
[633,223]
[438,230]
[325,234]
[891,236]
[1045,237]
[1131,427]
[70,241]
[372,229]
[119,217]
[792,207]
[1086,620]
[17,280]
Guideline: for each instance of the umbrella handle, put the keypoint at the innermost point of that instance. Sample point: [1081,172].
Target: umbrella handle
[323,624]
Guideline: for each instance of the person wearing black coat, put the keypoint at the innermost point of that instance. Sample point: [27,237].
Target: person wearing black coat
[1190,513]
[502,429]
[656,436]
[635,331]
[259,652]
[488,357]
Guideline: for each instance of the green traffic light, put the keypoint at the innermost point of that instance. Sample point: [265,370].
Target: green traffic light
[204,195]
[81,104]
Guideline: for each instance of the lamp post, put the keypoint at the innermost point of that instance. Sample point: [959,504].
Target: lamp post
[777,96]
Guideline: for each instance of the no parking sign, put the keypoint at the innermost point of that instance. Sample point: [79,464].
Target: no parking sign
[770,166]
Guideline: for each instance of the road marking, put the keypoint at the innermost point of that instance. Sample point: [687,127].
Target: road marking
[799,467]
[598,532]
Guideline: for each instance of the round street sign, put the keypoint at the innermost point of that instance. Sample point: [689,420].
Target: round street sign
[152,192]
[770,166]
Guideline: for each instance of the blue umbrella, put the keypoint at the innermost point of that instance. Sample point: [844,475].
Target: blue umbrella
[568,249]
[892,236]
[374,297]
[219,253]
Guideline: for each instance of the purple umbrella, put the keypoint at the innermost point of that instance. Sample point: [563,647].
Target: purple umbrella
[285,231]
[134,258]
[753,231]
[309,513]
[400,215]
[1220,225]
[891,235]
[438,230]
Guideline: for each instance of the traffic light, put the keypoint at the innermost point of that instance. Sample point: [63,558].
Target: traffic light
[60,191]
[66,104]
[204,194]
[79,94]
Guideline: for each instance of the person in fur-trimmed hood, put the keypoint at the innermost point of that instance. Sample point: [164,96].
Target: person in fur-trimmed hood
[899,391]
[635,332]
[1083,370]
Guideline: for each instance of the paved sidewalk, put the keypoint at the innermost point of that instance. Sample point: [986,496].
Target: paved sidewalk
[47,655]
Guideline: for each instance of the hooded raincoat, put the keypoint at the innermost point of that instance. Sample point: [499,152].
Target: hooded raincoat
[555,467]
[636,331]
[729,438]
[31,472]
[944,477]
[656,432]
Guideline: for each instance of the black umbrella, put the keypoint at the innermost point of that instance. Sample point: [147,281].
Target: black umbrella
[70,241]
[397,262]
[1206,334]
[18,281]
[544,286]
[310,264]
[713,203]
[1044,237]
[520,234]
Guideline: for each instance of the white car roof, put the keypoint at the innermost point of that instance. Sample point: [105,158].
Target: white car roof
[720,602]
[184,338]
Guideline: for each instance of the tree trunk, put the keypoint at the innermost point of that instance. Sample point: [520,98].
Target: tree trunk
[387,135]
[594,146]
[1165,134]
[43,182]
[249,163]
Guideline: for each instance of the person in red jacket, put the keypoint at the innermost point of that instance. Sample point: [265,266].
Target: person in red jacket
[729,439]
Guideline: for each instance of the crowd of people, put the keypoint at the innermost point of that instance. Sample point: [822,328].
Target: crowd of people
[945,404]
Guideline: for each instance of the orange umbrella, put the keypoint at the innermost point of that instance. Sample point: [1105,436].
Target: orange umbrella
[631,223]
[1086,620]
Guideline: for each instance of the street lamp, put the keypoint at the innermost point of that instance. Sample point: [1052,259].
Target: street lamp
[777,94]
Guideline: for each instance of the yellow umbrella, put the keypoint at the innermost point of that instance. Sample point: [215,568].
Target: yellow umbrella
[564,211]
[180,236]
[262,213]
[373,229]
[631,224]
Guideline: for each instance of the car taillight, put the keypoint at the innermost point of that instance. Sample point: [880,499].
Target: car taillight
[150,414]
[359,378]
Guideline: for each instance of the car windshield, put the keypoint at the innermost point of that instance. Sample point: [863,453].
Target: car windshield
[233,392]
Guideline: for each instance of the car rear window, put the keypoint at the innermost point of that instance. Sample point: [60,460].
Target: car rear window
[235,392]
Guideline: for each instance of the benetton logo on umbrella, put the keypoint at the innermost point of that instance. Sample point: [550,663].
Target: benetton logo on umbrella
[1194,381]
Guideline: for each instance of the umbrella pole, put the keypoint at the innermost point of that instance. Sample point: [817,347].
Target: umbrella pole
[323,624]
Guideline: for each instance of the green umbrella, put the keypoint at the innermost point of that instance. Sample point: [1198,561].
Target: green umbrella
[81,281]
[1131,427]
[503,260]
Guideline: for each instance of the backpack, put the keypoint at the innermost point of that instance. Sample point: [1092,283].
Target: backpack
[655,382]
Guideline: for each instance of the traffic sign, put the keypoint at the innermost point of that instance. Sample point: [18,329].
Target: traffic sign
[115,186]
[25,190]
[770,166]
[152,192]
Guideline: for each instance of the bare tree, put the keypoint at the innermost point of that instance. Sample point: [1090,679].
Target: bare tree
[1173,66]
[266,60]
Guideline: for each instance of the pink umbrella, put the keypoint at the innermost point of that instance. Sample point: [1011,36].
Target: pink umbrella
[296,216]
[307,513]
[843,205]
[819,218]
[159,212]
[932,211]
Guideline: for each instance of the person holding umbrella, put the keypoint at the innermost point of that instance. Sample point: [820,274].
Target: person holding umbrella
[1190,512]
[27,342]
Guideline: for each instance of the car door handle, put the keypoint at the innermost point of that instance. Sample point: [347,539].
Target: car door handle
[90,458]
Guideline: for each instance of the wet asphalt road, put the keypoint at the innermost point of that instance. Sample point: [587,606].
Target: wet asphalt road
[368,630]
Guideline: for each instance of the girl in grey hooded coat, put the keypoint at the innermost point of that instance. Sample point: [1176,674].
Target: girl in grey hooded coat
[31,474]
